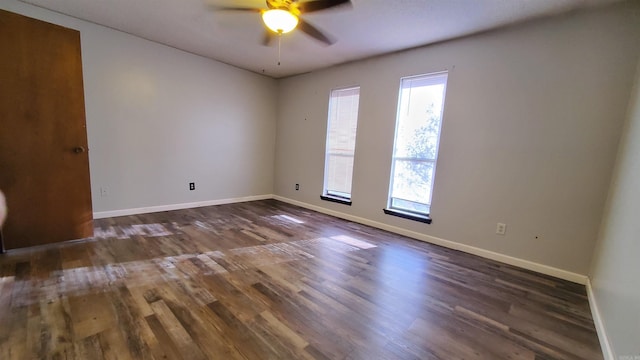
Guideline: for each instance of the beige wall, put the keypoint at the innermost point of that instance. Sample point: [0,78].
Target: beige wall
[159,118]
[615,273]
[532,121]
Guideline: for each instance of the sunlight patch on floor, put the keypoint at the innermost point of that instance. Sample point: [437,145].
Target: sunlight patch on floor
[287,218]
[353,241]
[125,232]
[83,280]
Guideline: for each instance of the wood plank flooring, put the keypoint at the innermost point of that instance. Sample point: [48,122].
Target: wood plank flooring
[268,280]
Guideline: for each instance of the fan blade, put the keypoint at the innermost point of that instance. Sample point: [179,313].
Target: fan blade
[222,8]
[267,38]
[311,6]
[314,33]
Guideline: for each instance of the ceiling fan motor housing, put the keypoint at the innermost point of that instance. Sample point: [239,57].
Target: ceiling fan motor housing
[283,5]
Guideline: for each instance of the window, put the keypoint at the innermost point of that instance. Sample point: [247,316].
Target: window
[341,144]
[418,123]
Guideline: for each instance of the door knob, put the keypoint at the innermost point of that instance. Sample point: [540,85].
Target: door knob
[78,149]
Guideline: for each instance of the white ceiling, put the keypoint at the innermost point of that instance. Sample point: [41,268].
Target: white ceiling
[368,28]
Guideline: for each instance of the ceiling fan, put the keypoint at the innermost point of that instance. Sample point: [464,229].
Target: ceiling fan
[282,16]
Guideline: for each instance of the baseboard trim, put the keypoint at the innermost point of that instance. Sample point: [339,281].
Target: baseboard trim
[605,345]
[152,209]
[525,264]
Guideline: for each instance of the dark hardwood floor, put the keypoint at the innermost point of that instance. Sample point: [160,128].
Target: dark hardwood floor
[268,280]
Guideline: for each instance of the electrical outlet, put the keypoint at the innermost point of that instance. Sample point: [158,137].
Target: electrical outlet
[104,192]
[501,228]
[297,187]
[192,186]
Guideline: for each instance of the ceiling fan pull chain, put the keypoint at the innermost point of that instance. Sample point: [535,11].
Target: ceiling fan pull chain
[279,43]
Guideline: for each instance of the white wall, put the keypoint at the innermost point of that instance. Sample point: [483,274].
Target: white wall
[158,118]
[532,121]
[615,273]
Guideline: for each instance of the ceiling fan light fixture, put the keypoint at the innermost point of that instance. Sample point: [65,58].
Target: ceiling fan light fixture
[279,21]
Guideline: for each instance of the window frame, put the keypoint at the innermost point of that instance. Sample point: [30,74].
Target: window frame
[399,211]
[333,195]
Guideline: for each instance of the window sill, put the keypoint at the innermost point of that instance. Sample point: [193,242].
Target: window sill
[335,199]
[406,215]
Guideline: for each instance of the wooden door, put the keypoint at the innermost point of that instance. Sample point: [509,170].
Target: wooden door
[44,163]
